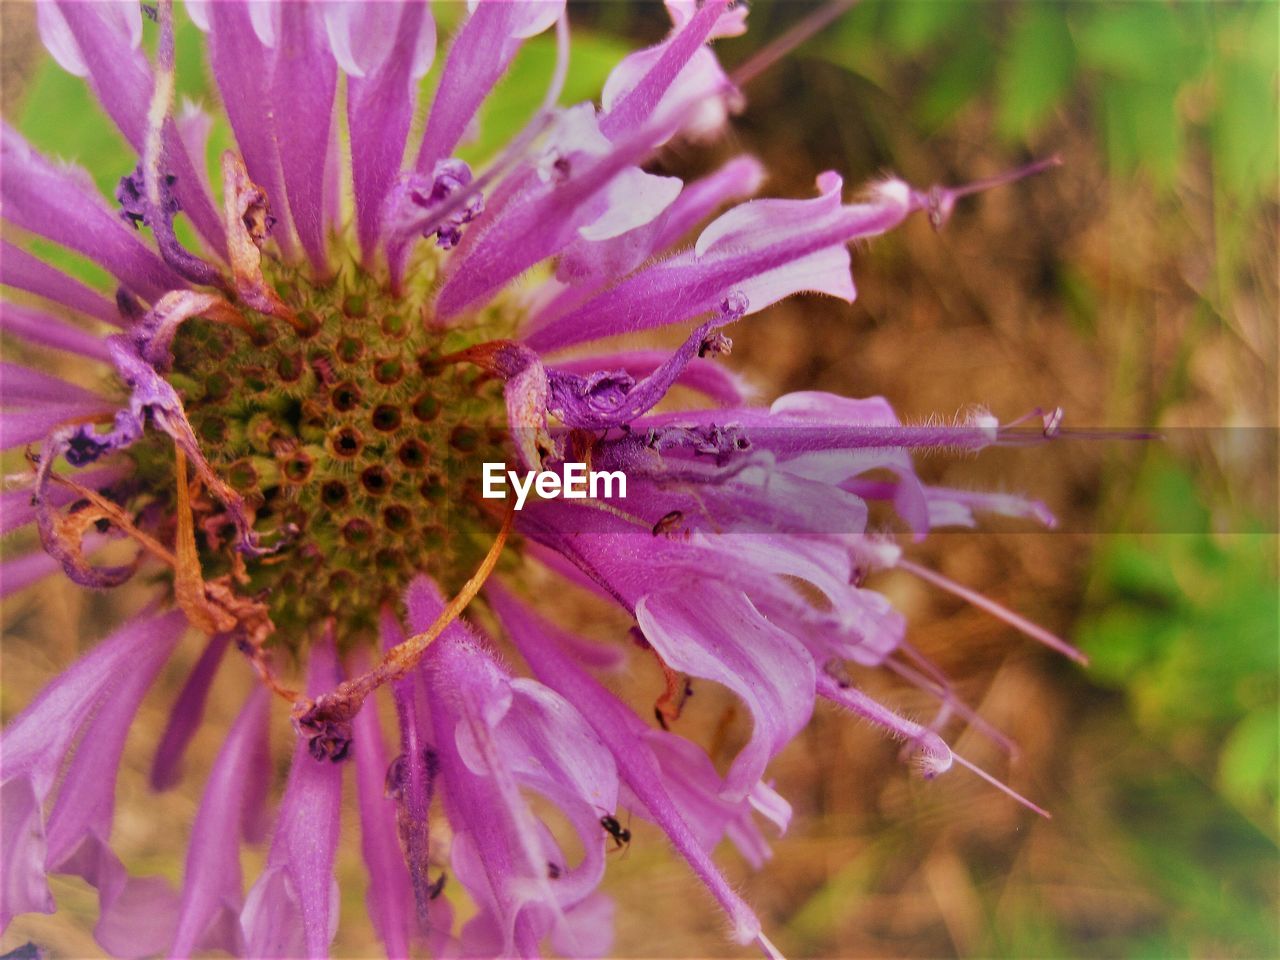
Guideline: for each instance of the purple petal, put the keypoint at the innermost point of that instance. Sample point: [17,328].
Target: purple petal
[136,916]
[625,734]
[22,386]
[750,242]
[58,39]
[304,80]
[94,703]
[479,55]
[390,896]
[21,270]
[292,910]
[641,95]
[244,67]
[495,736]
[86,795]
[709,630]
[538,223]
[19,428]
[185,717]
[696,789]
[588,265]
[46,330]
[63,206]
[392,45]
[18,573]
[36,741]
[107,37]
[211,889]
[23,887]
[411,779]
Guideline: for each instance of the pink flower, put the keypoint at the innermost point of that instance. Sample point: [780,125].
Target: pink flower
[287,421]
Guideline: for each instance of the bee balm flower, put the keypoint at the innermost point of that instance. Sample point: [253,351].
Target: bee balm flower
[288,423]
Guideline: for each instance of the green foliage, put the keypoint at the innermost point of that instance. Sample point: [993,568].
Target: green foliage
[1188,626]
[1157,76]
[1037,72]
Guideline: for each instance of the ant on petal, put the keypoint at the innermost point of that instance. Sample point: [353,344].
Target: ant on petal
[621,835]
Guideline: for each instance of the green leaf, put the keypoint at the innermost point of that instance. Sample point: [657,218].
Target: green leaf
[1137,41]
[1143,129]
[1036,72]
[914,26]
[1245,131]
[962,75]
[1249,765]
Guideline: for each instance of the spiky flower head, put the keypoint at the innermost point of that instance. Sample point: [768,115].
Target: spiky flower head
[287,420]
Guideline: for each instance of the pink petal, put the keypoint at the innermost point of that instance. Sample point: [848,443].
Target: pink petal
[22,386]
[390,896]
[637,89]
[211,891]
[479,55]
[292,909]
[709,630]
[626,736]
[394,44]
[46,330]
[304,79]
[21,270]
[187,712]
[63,205]
[58,39]
[244,68]
[108,37]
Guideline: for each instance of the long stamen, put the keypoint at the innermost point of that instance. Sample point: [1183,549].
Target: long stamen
[775,50]
[770,951]
[944,693]
[1015,620]
[1001,786]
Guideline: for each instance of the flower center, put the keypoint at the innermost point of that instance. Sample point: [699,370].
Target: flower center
[353,444]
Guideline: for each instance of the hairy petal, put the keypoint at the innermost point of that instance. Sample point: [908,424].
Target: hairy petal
[22,271]
[389,47]
[47,330]
[107,38]
[211,890]
[625,734]
[390,896]
[185,717]
[709,630]
[749,244]
[62,205]
[304,79]
[244,67]
[478,57]
[292,910]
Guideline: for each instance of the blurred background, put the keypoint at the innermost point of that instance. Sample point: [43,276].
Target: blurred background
[1135,286]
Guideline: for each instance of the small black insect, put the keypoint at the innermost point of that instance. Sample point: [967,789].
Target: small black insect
[437,888]
[621,835]
[668,523]
[553,870]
